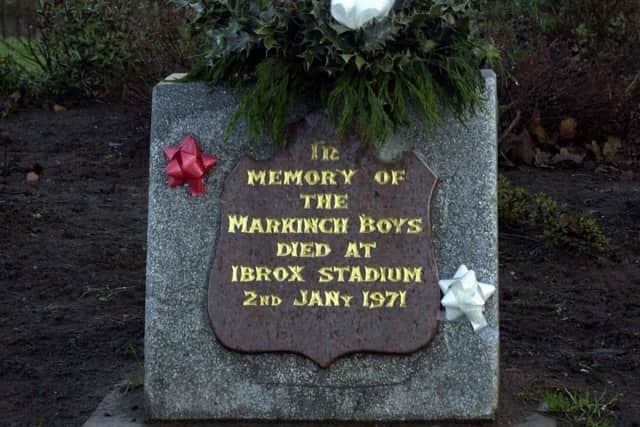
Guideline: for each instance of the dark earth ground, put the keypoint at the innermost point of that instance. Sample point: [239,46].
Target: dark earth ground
[72,259]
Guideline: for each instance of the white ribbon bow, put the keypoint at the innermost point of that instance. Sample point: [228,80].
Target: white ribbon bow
[355,13]
[465,296]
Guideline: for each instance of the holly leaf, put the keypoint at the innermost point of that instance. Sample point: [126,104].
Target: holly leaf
[377,36]
[346,57]
[338,27]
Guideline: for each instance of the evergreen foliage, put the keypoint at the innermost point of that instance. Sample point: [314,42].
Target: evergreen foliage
[426,53]
[92,49]
[559,226]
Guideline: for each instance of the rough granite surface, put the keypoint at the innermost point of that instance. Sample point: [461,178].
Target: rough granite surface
[190,376]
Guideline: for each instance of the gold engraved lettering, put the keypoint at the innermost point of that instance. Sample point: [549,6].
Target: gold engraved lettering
[280,274]
[269,300]
[299,177]
[403,298]
[384,226]
[250,298]
[287,225]
[262,273]
[346,300]
[393,177]
[275,177]
[256,227]
[367,224]
[325,274]
[397,176]
[294,225]
[316,298]
[254,176]
[303,299]
[341,225]
[236,222]
[387,299]
[244,274]
[311,225]
[307,200]
[312,177]
[415,226]
[353,249]
[314,149]
[332,298]
[390,225]
[328,177]
[413,274]
[303,249]
[355,276]
[247,274]
[377,299]
[368,274]
[392,296]
[272,225]
[292,177]
[327,152]
[341,272]
[332,154]
[372,275]
[340,201]
[333,225]
[324,201]
[347,174]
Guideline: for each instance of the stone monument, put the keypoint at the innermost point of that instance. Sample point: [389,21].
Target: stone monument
[305,283]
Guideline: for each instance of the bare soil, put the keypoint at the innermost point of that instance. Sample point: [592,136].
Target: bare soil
[72,266]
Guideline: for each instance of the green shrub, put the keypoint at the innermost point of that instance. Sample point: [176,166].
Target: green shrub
[592,28]
[540,213]
[12,75]
[581,409]
[97,49]
[17,83]
[83,47]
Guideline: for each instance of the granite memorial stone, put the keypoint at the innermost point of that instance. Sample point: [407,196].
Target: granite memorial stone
[230,331]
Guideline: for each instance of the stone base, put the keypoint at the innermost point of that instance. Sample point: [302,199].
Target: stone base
[120,409]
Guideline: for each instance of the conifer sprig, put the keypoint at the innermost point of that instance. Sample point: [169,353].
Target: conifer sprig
[426,53]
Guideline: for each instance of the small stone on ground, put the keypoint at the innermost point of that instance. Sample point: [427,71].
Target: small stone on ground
[537,420]
[119,409]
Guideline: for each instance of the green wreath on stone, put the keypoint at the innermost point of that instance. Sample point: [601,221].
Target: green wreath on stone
[425,53]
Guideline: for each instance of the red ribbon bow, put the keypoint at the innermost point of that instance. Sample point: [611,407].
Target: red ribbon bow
[188,164]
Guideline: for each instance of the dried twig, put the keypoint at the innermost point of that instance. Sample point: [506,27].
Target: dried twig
[511,126]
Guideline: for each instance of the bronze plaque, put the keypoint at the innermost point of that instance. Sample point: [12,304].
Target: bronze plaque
[323,251]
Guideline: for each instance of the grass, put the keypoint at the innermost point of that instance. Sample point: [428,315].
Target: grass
[51,308]
[581,409]
[106,293]
[16,47]
[134,380]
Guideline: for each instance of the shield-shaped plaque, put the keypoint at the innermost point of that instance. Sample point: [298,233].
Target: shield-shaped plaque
[324,250]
